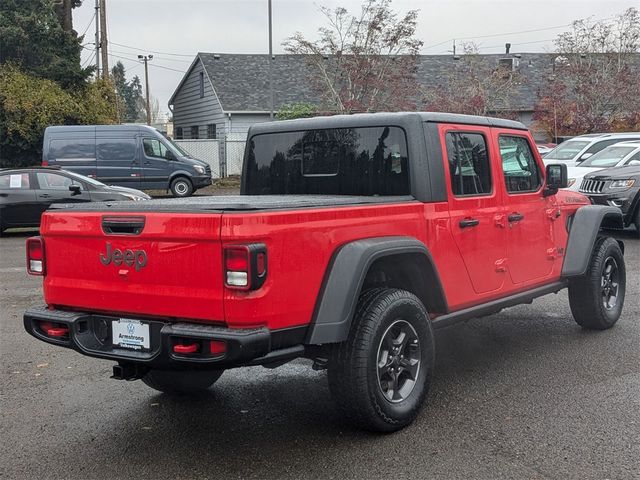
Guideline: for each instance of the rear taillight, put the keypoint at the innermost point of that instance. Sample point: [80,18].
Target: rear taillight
[45,162]
[245,266]
[35,256]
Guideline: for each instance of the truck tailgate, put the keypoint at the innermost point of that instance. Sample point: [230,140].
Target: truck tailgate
[101,261]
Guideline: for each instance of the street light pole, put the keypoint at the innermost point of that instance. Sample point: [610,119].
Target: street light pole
[146,59]
[271,100]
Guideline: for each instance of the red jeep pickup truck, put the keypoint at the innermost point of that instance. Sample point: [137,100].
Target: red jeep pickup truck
[354,237]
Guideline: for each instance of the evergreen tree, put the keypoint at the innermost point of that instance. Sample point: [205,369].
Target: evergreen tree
[33,37]
[129,95]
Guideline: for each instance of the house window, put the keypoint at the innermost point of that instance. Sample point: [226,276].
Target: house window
[179,134]
[211,130]
[201,84]
[194,132]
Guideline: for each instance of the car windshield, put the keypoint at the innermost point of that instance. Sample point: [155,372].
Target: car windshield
[609,157]
[89,180]
[567,150]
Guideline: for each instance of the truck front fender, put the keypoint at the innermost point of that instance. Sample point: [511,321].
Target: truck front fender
[345,277]
[586,224]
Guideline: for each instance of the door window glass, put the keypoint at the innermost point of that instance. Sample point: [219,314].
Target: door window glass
[155,148]
[54,181]
[635,157]
[519,166]
[468,164]
[116,149]
[18,181]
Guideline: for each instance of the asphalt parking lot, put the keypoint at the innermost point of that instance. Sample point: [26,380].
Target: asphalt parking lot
[521,394]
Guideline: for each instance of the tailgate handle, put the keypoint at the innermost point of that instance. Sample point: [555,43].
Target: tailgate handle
[122,225]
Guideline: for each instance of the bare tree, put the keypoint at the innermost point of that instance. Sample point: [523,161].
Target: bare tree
[594,85]
[475,86]
[363,63]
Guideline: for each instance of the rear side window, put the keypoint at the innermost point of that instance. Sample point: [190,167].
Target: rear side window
[598,146]
[116,149]
[72,149]
[521,173]
[340,161]
[11,181]
[468,164]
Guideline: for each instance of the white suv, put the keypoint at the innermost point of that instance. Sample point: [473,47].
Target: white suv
[578,149]
[618,155]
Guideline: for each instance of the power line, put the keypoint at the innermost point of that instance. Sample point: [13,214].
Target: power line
[507,33]
[151,64]
[153,51]
[90,23]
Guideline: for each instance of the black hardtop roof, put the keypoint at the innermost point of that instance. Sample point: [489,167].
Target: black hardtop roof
[381,119]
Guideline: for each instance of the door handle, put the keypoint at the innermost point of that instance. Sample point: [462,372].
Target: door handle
[44,195]
[469,222]
[515,217]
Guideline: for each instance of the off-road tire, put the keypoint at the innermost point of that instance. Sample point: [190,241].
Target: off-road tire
[180,382]
[354,378]
[587,294]
[181,187]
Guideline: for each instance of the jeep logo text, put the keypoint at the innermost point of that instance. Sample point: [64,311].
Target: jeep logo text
[128,257]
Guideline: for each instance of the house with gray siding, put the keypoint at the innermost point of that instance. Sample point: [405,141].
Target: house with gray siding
[222,95]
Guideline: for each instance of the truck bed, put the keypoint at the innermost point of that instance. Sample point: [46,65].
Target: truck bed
[233,203]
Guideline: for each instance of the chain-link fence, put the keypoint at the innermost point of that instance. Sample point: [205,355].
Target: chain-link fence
[225,155]
[207,150]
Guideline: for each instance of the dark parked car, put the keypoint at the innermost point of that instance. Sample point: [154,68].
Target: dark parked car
[617,187]
[27,192]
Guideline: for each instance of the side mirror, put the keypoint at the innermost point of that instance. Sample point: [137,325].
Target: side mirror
[634,162]
[556,178]
[170,156]
[584,156]
[75,189]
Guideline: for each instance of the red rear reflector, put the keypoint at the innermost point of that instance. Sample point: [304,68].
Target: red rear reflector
[217,347]
[185,349]
[35,256]
[261,264]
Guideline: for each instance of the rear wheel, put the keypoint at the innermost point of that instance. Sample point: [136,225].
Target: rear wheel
[637,221]
[380,376]
[181,381]
[181,187]
[596,299]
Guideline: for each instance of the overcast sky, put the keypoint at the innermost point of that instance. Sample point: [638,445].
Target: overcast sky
[184,27]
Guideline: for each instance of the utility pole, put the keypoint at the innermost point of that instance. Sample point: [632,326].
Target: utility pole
[271,95]
[103,39]
[97,39]
[146,59]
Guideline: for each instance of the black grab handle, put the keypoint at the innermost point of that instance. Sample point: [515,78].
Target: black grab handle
[122,225]
[469,222]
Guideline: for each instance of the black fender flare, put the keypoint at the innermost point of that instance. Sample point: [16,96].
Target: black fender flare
[585,226]
[344,279]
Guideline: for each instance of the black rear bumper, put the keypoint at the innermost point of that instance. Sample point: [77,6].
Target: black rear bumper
[91,334]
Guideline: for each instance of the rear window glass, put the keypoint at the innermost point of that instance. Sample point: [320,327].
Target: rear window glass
[341,161]
[78,149]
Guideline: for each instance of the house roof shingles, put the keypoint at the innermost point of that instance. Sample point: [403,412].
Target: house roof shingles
[241,81]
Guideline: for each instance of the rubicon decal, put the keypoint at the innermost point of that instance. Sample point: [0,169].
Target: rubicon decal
[127,257]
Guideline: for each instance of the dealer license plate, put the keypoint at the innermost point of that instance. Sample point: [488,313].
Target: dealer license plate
[131,334]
